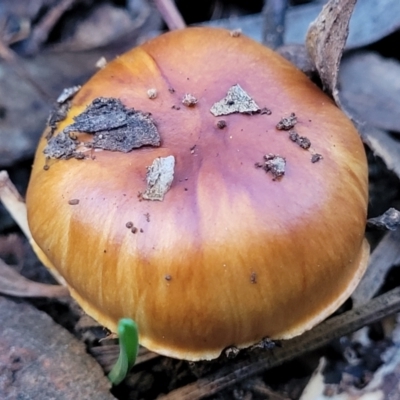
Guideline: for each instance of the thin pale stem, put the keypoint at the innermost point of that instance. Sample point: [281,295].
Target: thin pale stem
[170,14]
[15,205]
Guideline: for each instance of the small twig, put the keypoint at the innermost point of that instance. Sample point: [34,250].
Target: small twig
[259,387]
[16,206]
[350,321]
[14,203]
[42,30]
[274,13]
[170,14]
[12,58]
[108,354]
[14,284]
[385,255]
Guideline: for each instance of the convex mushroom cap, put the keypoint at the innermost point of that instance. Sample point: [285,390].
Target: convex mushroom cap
[254,232]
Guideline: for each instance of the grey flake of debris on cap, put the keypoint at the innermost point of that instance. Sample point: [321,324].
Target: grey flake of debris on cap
[68,94]
[159,178]
[116,127]
[235,101]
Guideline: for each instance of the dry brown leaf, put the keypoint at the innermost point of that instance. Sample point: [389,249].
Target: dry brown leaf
[14,284]
[326,39]
[256,363]
[385,255]
[383,145]
[370,89]
[107,355]
[372,20]
[12,245]
[388,221]
[383,385]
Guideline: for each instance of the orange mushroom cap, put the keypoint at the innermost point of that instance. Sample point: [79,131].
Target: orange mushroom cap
[232,253]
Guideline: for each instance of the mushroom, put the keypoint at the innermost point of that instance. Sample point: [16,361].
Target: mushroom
[225,254]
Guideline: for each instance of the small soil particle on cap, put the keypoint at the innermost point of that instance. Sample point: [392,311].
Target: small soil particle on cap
[231,352]
[175,107]
[287,123]
[167,277]
[265,111]
[316,157]
[192,149]
[147,216]
[129,224]
[152,93]
[189,100]
[253,277]
[302,141]
[221,124]
[73,202]
[134,229]
[171,90]
[235,32]
[275,164]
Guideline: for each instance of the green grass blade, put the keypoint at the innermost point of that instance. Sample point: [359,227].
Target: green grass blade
[128,349]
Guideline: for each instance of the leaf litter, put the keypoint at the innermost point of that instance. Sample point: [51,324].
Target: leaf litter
[381,138]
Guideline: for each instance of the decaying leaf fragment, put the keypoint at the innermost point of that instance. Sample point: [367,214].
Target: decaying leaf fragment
[68,94]
[390,220]
[235,101]
[159,178]
[14,284]
[326,38]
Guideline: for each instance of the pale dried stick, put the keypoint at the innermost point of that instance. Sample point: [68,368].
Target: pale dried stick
[16,206]
[170,14]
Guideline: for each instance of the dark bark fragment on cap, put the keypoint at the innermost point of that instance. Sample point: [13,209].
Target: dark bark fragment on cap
[115,128]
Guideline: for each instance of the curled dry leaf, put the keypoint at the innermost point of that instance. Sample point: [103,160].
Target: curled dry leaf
[326,39]
[239,369]
[390,220]
[383,385]
[383,258]
[383,145]
[371,21]
[373,95]
[14,284]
